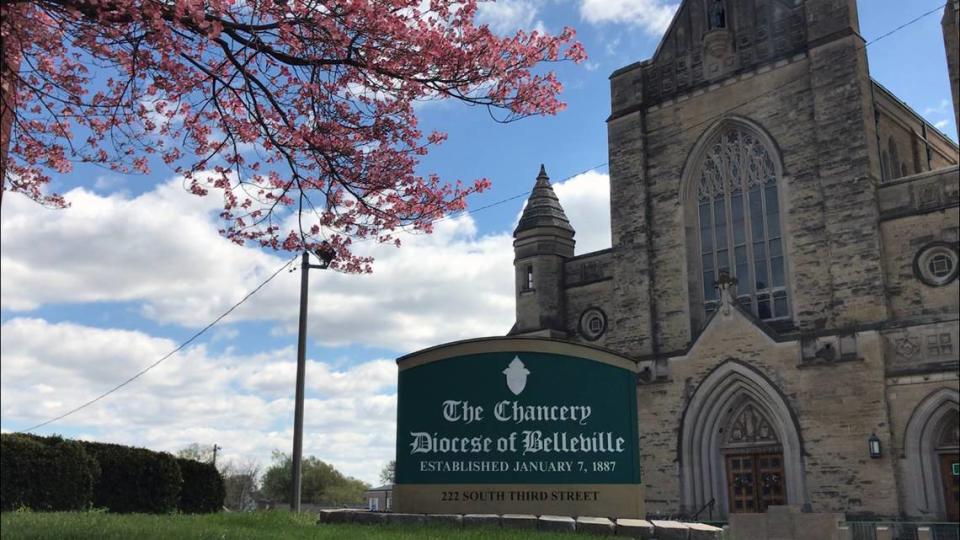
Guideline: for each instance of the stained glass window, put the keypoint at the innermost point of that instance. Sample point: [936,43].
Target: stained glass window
[739,223]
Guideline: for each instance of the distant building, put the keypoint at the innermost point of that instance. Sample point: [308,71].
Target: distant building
[379,499]
[784,268]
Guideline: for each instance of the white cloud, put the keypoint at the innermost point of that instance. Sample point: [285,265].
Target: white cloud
[652,16]
[508,16]
[243,403]
[586,201]
[160,251]
[940,115]
[108,182]
[162,244]
[943,107]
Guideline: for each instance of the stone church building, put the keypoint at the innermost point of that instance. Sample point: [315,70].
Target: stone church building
[784,268]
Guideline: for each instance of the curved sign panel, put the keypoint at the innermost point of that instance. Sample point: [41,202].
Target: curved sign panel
[518,425]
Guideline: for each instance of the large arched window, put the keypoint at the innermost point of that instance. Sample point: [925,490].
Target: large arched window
[738,212]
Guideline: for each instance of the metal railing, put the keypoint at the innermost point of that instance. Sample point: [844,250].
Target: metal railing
[709,506]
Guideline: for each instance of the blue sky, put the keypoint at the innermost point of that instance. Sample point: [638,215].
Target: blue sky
[92,294]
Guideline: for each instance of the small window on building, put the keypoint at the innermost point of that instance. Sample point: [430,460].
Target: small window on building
[894,158]
[936,264]
[940,265]
[717,15]
[528,284]
[373,504]
[939,345]
[593,323]
[389,503]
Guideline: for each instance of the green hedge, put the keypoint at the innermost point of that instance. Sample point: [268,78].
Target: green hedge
[203,490]
[135,479]
[50,473]
[45,473]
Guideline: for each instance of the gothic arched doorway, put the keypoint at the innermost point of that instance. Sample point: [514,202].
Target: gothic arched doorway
[948,456]
[739,443]
[931,451]
[753,457]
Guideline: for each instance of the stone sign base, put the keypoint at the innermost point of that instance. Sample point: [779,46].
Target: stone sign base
[786,522]
[626,528]
[613,500]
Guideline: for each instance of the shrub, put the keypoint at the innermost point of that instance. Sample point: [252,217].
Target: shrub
[203,489]
[135,479]
[45,473]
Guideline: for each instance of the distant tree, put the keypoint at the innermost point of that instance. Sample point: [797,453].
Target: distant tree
[242,481]
[388,473]
[197,452]
[322,483]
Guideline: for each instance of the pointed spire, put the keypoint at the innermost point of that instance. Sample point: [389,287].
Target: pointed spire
[543,207]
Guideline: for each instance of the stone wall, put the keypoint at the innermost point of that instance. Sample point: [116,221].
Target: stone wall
[629,316]
[918,146]
[904,394]
[673,130]
[838,469]
[915,212]
[903,239]
[695,51]
[542,251]
[922,348]
[582,297]
[850,238]
[830,170]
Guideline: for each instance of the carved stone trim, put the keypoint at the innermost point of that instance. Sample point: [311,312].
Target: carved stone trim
[937,264]
[750,426]
[736,162]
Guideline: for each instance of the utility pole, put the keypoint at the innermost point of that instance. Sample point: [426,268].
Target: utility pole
[326,254]
[215,448]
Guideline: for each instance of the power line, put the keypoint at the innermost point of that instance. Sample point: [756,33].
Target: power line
[444,218]
[688,128]
[797,79]
[513,197]
[906,24]
[470,211]
[166,356]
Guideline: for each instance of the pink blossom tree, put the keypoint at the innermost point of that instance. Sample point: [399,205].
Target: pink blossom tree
[285,108]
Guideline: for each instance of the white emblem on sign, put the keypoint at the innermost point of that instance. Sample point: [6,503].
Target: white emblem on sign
[516,374]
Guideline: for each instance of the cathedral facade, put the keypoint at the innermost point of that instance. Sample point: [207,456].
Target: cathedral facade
[783,268]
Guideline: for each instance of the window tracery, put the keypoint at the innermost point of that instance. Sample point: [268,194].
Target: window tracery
[950,432]
[739,223]
[751,427]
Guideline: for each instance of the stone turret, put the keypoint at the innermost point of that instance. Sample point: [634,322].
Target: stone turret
[542,242]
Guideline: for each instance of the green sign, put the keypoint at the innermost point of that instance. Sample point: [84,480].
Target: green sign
[956,469]
[517,417]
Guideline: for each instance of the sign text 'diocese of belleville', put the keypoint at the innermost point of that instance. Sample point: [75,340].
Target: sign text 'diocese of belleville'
[494,429]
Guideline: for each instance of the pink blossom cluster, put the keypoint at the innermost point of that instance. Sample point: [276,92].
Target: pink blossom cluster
[286,108]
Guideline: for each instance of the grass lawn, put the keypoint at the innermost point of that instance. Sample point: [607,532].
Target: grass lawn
[259,525]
